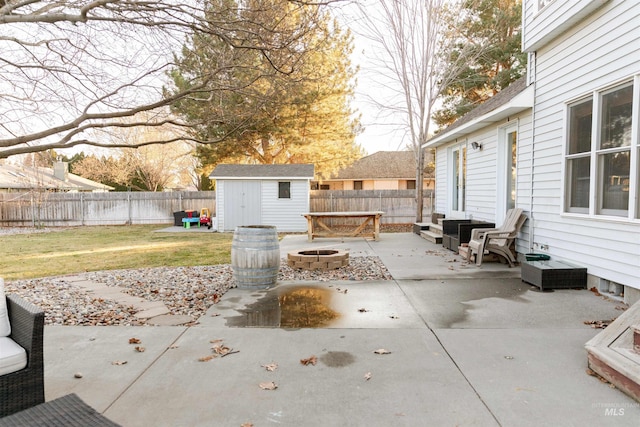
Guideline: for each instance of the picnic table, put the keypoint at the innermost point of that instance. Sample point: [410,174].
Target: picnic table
[318,226]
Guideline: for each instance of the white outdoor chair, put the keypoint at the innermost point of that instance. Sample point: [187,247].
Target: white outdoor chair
[497,240]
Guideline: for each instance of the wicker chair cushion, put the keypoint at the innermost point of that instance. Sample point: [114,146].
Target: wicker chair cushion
[12,357]
[5,327]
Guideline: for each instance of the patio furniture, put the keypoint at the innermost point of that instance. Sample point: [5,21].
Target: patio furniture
[554,274]
[317,221]
[24,388]
[67,411]
[455,232]
[497,240]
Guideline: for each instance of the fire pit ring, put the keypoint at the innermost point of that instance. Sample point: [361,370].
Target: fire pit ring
[318,259]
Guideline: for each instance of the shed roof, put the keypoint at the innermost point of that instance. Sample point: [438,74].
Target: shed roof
[511,100]
[381,165]
[302,171]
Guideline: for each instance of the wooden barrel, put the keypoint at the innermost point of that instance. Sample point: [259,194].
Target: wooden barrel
[255,256]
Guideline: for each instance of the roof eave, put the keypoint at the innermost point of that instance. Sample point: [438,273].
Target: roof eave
[521,102]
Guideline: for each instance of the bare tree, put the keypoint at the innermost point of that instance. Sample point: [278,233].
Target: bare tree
[407,36]
[72,70]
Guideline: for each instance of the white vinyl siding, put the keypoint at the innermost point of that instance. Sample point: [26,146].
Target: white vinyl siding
[285,214]
[482,175]
[599,52]
[265,208]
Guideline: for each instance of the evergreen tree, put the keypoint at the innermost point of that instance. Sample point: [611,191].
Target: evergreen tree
[291,106]
[492,27]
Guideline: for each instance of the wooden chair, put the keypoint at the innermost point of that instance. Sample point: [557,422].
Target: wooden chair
[25,388]
[497,240]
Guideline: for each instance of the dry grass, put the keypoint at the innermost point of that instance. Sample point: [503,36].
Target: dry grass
[80,249]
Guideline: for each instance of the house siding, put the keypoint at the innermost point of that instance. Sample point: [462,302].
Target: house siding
[482,176]
[601,50]
[285,214]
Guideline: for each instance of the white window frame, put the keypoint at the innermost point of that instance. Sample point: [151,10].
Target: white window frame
[451,179]
[503,171]
[595,208]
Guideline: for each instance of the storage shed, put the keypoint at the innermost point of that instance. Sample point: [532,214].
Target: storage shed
[275,195]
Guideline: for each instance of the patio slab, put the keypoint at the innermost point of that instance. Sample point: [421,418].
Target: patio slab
[470,346]
[416,382]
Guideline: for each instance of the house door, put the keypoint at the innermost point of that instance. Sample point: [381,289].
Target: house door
[507,170]
[457,180]
[243,204]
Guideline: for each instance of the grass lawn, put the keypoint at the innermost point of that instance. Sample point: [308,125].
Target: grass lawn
[79,249]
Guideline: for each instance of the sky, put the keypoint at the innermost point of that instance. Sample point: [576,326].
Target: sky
[381,132]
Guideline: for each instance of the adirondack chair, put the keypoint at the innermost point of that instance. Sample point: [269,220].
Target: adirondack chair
[497,240]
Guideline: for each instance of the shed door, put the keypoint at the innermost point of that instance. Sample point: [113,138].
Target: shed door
[243,204]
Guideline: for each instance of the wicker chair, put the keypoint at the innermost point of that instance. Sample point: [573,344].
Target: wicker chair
[25,388]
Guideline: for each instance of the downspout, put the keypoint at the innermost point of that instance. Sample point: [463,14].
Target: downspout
[533,151]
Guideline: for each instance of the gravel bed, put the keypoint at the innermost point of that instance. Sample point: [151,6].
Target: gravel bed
[184,290]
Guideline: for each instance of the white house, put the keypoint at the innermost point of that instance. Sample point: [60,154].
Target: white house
[576,165]
[16,178]
[262,195]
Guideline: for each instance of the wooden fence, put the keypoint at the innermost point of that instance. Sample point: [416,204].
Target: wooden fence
[43,209]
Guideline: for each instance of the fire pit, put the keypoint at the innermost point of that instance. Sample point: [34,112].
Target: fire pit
[323,259]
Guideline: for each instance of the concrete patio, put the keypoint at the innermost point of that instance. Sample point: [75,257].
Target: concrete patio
[468,346]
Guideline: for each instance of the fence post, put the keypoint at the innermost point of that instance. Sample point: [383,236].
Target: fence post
[129,205]
[33,212]
[82,209]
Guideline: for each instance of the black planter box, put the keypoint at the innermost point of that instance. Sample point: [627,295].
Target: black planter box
[553,274]
[458,231]
[177,218]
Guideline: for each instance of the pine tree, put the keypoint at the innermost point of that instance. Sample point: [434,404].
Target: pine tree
[290,106]
[492,27]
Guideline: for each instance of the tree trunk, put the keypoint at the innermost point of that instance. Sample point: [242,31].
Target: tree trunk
[419,184]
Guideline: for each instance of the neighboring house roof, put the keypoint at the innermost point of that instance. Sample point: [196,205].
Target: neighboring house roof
[302,171]
[380,165]
[15,177]
[513,99]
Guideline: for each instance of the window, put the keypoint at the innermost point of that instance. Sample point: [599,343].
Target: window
[357,185]
[579,158]
[598,159]
[411,184]
[284,190]
[458,174]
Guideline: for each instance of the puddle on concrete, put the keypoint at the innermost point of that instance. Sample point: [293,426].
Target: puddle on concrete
[337,359]
[293,307]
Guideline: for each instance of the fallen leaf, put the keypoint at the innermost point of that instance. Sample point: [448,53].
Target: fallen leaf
[173,347]
[268,386]
[246,425]
[381,351]
[595,291]
[311,360]
[216,341]
[367,376]
[598,324]
[342,291]
[134,341]
[362,310]
[207,358]
[270,367]
[393,316]
[221,349]
[140,349]
[451,267]
[119,362]
[78,375]
[216,315]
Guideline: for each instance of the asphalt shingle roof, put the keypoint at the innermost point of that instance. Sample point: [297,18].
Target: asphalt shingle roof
[263,171]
